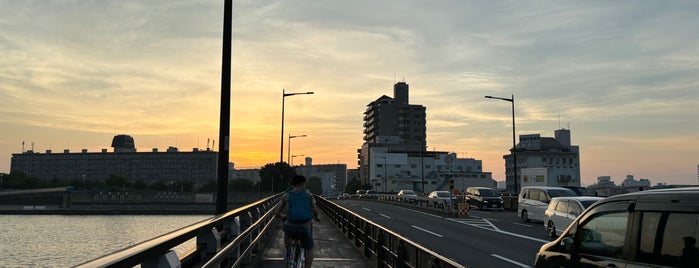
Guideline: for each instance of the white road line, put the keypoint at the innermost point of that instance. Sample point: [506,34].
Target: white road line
[366,209]
[424,213]
[508,260]
[502,232]
[427,231]
[521,224]
[385,216]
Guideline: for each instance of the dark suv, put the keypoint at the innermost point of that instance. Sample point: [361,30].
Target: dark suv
[643,229]
[484,198]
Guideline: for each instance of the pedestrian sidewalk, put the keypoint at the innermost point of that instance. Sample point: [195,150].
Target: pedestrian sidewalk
[331,248]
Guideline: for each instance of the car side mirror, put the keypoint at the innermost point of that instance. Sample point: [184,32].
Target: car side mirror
[567,243]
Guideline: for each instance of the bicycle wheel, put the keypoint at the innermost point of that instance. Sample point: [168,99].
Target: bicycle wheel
[291,256]
[300,256]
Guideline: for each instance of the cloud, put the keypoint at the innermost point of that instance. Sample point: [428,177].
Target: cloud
[612,70]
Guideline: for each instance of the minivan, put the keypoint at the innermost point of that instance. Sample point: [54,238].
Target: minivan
[533,201]
[484,198]
[656,228]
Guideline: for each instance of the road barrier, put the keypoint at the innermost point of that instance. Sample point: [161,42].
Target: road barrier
[379,244]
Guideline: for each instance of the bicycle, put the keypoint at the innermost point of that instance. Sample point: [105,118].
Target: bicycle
[296,254]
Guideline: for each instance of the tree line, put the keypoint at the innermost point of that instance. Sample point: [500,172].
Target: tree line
[274,177]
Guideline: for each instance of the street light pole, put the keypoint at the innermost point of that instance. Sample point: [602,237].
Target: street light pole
[514,144]
[281,146]
[422,165]
[284,95]
[288,150]
[225,111]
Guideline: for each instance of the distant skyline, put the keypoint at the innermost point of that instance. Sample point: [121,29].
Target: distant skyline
[622,76]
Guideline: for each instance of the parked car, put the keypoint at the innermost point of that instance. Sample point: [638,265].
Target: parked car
[563,210]
[361,193]
[484,198]
[533,201]
[655,228]
[437,198]
[407,196]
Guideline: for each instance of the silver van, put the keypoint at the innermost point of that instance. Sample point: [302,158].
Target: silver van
[656,228]
[533,201]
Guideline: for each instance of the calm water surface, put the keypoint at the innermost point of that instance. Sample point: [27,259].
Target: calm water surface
[68,240]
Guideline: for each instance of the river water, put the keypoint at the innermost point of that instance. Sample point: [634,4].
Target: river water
[69,240]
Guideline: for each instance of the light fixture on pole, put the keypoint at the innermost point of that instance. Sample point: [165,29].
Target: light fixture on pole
[288,149]
[292,158]
[514,144]
[281,146]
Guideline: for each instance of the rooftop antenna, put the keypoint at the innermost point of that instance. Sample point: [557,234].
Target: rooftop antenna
[22,146]
[208,140]
[559,121]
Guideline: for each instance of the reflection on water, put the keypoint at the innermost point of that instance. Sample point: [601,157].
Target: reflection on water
[68,240]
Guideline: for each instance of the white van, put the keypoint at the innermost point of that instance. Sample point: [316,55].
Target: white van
[533,201]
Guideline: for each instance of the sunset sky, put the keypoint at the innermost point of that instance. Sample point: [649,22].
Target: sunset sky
[623,76]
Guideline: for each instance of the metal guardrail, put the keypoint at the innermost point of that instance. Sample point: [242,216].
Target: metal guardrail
[233,238]
[226,240]
[387,248]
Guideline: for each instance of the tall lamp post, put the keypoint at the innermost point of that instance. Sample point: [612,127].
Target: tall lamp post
[514,149]
[281,149]
[288,150]
[422,165]
[284,95]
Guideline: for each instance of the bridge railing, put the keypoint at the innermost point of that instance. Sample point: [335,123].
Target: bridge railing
[387,248]
[226,240]
[420,202]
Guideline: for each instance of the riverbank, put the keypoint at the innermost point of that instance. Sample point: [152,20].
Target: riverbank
[130,209]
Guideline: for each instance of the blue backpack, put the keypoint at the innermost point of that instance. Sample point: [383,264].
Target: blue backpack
[299,210]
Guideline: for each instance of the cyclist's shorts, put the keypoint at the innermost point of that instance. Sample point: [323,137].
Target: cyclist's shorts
[302,233]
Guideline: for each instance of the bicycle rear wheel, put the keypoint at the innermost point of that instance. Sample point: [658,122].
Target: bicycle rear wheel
[291,257]
[300,257]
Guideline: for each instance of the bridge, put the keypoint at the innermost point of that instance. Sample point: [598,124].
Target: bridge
[380,231]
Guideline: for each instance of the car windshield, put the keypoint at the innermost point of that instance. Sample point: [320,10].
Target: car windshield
[559,193]
[489,193]
[408,193]
[442,194]
[587,203]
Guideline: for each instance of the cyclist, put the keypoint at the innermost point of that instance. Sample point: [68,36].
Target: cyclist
[296,209]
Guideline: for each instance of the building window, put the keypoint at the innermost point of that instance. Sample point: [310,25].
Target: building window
[413,166]
[397,166]
[428,166]
[379,165]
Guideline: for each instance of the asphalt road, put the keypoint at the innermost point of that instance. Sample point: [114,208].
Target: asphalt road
[484,239]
